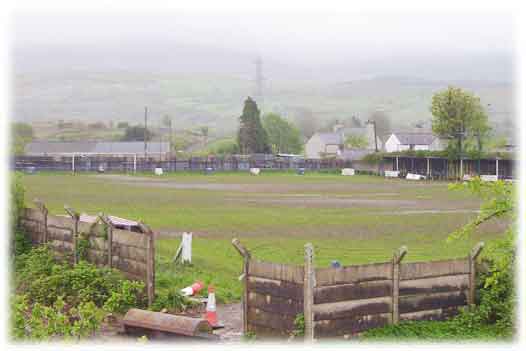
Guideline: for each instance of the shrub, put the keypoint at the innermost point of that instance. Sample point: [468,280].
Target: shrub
[40,322]
[43,280]
[124,298]
[19,241]
[172,300]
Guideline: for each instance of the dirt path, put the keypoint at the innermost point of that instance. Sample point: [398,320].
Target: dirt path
[231,315]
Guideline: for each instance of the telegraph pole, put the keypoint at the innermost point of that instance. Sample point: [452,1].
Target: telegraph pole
[259,81]
[375,139]
[145,131]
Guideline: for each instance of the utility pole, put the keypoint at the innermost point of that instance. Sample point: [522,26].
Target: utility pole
[259,82]
[145,131]
[375,139]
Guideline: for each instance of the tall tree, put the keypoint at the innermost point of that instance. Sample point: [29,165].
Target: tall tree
[383,122]
[459,116]
[136,133]
[283,136]
[203,130]
[252,137]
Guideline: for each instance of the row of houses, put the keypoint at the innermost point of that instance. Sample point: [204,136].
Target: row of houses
[333,144]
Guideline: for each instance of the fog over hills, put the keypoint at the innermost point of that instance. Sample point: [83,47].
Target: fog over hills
[198,78]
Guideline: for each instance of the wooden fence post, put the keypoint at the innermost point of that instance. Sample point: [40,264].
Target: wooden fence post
[309,282]
[150,265]
[43,209]
[246,259]
[397,258]
[76,217]
[472,258]
[109,240]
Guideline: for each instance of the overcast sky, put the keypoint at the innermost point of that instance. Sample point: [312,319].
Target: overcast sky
[307,37]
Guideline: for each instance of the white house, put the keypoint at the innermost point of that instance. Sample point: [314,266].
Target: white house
[333,143]
[413,141]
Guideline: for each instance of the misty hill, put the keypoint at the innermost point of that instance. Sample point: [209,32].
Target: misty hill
[204,85]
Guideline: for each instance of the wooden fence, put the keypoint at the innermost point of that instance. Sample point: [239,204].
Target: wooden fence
[344,301]
[100,243]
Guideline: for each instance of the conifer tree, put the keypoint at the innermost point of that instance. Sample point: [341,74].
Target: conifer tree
[252,137]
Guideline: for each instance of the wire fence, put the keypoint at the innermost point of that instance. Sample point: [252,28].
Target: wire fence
[135,164]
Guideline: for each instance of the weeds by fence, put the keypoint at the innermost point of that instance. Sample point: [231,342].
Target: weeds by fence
[97,242]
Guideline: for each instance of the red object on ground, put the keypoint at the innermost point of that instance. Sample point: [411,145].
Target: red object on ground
[192,289]
[211,313]
[197,286]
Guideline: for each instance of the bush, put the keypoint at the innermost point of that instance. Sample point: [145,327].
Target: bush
[172,300]
[124,298]
[40,322]
[43,280]
[19,241]
[497,297]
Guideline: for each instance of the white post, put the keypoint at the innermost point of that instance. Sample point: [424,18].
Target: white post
[187,248]
[397,163]
[428,166]
[135,163]
[497,167]
[73,163]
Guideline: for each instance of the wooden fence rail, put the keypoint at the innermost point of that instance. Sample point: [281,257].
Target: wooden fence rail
[100,243]
[345,301]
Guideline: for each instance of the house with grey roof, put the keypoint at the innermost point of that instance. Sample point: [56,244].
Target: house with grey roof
[403,141]
[97,148]
[333,143]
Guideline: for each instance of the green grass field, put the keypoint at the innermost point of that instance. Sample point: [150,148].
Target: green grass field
[351,219]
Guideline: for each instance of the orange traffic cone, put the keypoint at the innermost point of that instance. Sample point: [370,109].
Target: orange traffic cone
[211,313]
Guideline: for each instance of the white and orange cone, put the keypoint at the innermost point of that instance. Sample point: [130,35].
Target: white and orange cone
[192,289]
[211,313]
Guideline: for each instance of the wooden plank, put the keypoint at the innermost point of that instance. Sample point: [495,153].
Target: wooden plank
[33,214]
[349,309]
[125,237]
[60,243]
[98,229]
[275,304]
[434,285]
[349,326]
[60,222]
[98,243]
[129,252]
[275,288]
[84,227]
[416,303]
[353,274]
[428,315]
[62,246]
[96,257]
[270,320]
[345,292]
[416,270]
[131,266]
[276,271]
[62,234]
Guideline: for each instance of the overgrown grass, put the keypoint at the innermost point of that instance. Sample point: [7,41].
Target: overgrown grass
[432,331]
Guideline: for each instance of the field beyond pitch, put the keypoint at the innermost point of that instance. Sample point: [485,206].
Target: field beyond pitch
[355,219]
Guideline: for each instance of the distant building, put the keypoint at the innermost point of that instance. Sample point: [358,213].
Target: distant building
[96,148]
[413,141]
[333,143]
